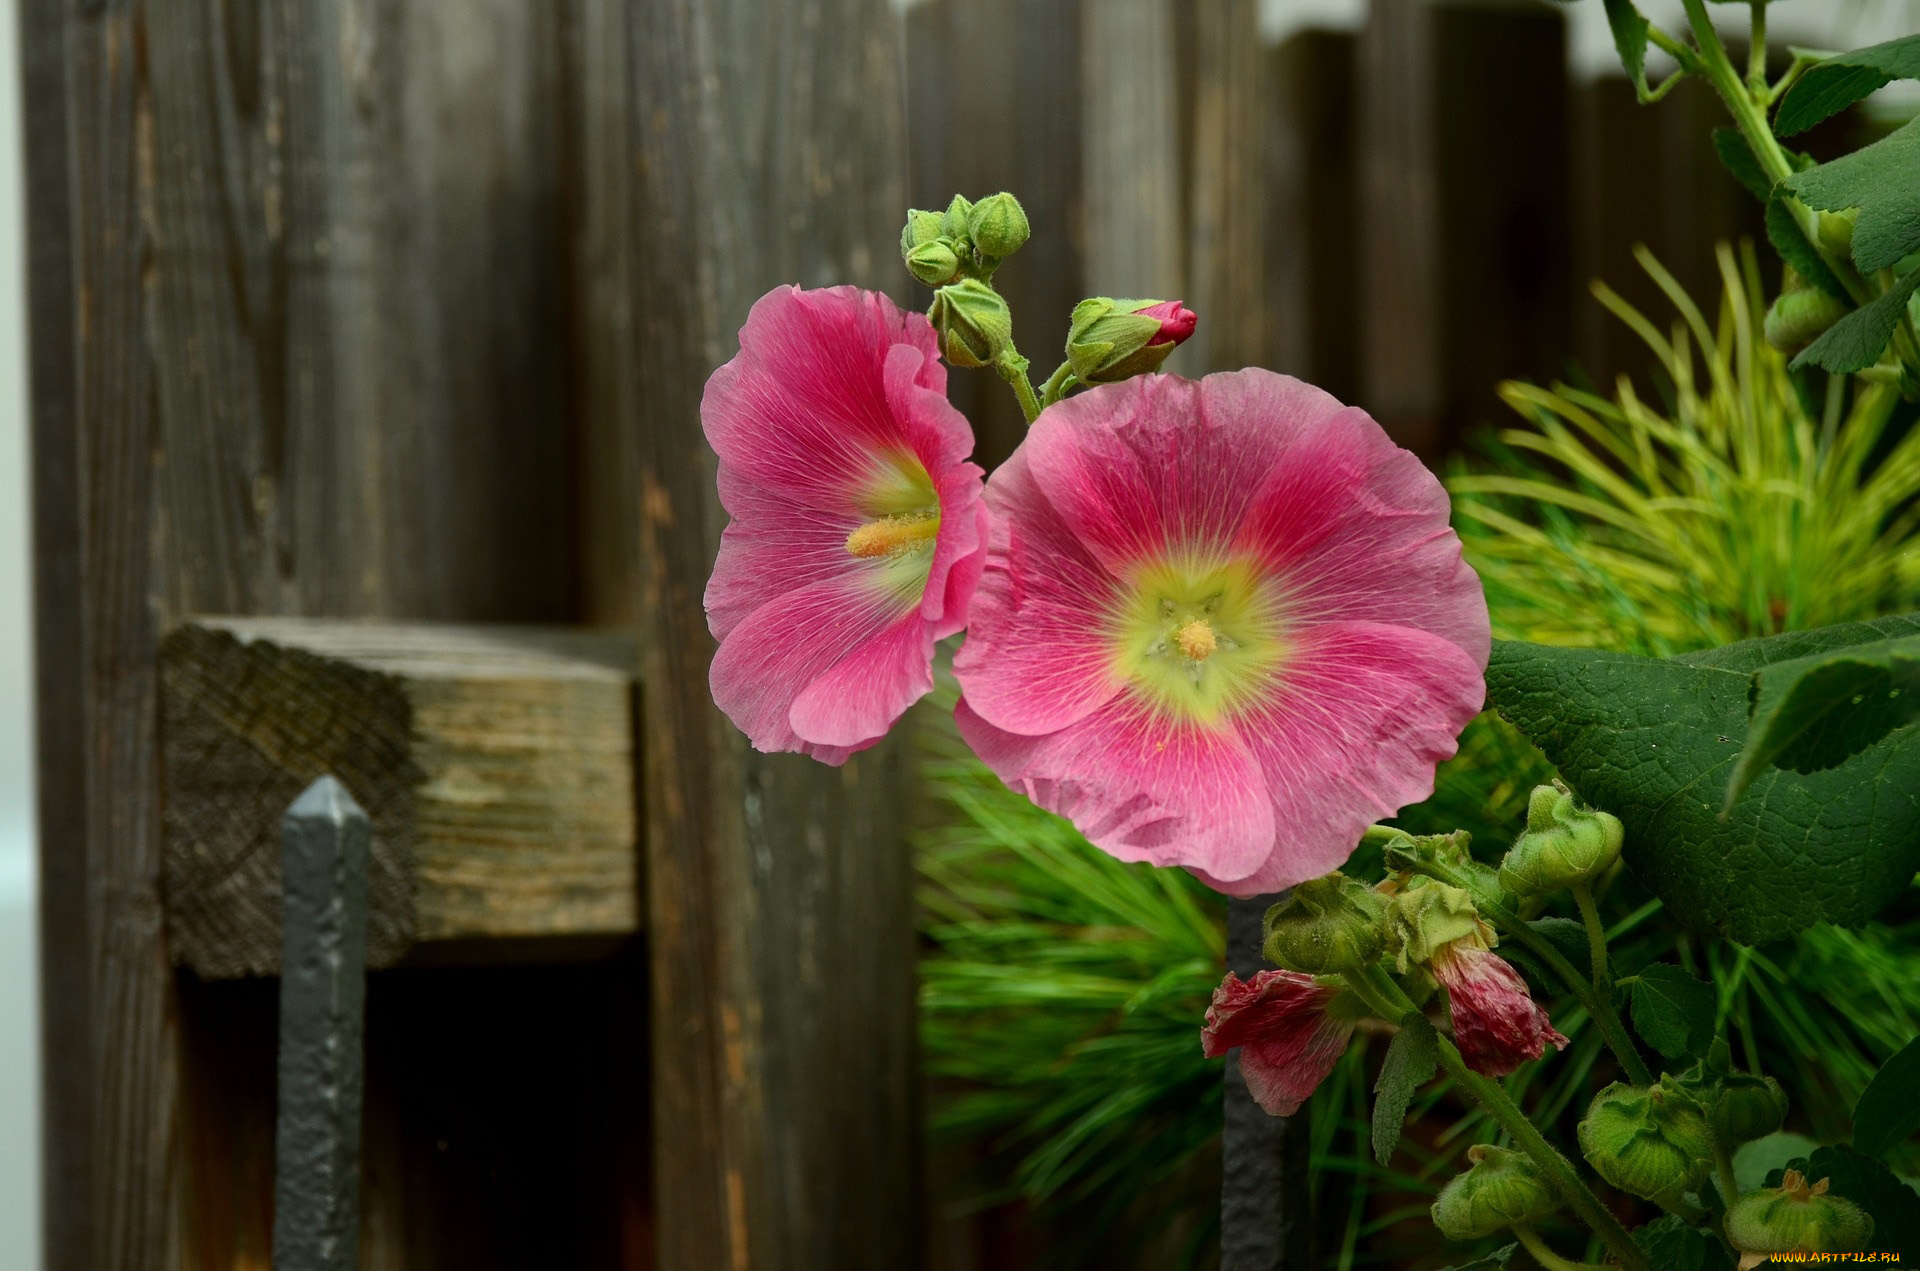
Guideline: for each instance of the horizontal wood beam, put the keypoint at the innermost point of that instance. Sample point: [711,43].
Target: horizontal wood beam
[496,763]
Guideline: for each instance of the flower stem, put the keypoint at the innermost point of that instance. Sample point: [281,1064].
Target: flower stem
[1757,51]
[1723,1167]
[1057,385]
[1546,1257]
[1596,940]
[1013,369]
[1380,993]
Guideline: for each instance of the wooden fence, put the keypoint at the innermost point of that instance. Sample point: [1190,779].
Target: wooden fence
[352,311]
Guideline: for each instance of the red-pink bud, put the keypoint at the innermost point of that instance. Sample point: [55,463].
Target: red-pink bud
[1496,1023]
[1176,321]
[1288,1040]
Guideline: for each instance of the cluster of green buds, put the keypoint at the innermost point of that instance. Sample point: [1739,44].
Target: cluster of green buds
[1741,1106]
[956,252]
[1796,1217]
[1565,844]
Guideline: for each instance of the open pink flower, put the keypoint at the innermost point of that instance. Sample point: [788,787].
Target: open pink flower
[1223,625]
[1496,1023]
[858,531]
[1289,1041]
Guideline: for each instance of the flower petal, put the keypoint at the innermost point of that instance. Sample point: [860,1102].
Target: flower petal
[775,654]
[1288,1042]
[1139,786]
[1159,463]
[1359,716]
[1356,530]
[1035,660]
[1496,1023]
[858,699]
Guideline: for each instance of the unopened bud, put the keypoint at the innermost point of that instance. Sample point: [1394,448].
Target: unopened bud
[922,227]
[1653,1141]
[1112,340]
[1426,917]
[954,223]
[973,322]
[998,225]
[1796,1217]
[933,262]
[1502,1189]
[1835,231]
[1798,318]
[1564,844]
[1327,925]
[1745,1108]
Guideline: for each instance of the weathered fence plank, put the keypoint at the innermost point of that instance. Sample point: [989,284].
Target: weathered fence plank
[1135,212]
[725,148]
[496,762]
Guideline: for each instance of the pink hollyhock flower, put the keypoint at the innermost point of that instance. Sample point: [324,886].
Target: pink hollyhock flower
[1223,625]
[1288,1039]
[858,531]
[1496,1023]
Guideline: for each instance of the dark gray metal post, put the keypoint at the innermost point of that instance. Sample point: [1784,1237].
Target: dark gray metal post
[323,995]
[1265,1218]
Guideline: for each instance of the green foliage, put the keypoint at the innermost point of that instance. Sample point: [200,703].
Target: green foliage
[1841,80]
[1813,713]
[1784,232]
[1061,1002]
[1725,512]
[1888,1111]
[1738,157]
[1630,39]
[1879,180]
[1673,1245]
[1411,1058]
[1673,1011]
[1492,1262]
[1856,341]
[1651,739]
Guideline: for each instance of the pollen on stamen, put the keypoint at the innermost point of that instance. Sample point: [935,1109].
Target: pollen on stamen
[1195,639]
[891,535]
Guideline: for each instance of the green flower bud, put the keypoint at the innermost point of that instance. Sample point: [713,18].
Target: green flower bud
[1835,231]
[1112,340]
[1412,851]
[933,263]
[1502,1189]
[1653,1141]
[1564,844]
[1426,917]
[973,322]
[1326,926]
[1795,1218]
[1798,318]
[1745,1108]
[954,223]
[922,227]
[998,225]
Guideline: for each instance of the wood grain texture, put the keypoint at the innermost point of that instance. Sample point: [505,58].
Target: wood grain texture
[1135,214]
[1230,207]
[725,148]
[496,763]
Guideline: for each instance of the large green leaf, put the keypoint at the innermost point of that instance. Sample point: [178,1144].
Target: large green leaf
[1410,1062]
[1879,180]
[1814,713]
[1854,343]
[1837,83]
[1790,241]
[1653,741]
[1889,1108]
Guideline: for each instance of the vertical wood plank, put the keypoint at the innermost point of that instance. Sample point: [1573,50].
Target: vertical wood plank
[1135,214]
[724,148]
[1228,196]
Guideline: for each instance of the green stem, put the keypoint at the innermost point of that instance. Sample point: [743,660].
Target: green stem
[1723,1168]
[1683,1209]
[1596,940]
[1605,1018]
[1384,997]
[1013,369]
[1057,386]
[1546,1257]
[1757,52]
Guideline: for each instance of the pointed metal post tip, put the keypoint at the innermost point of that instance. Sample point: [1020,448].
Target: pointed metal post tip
[326,800]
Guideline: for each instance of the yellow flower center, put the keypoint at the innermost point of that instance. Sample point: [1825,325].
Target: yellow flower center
[893,535]
[1195,639]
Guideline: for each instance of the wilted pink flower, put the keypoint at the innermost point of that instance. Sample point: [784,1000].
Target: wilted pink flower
[1223,625]
[1176,321]
[1288,1040]
[858,530]
[1496,1023]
